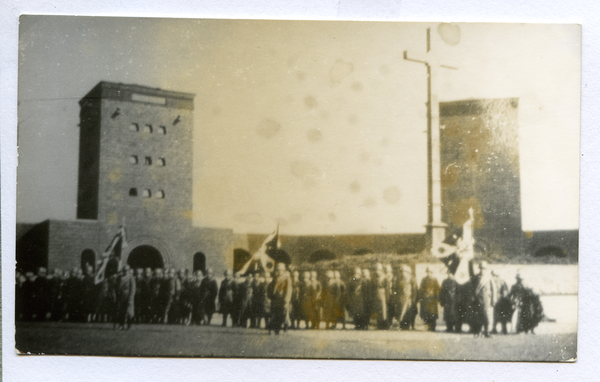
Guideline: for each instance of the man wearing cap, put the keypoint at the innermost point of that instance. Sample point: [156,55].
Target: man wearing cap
[449,300]
[486,296]
[280,293]
[428,296]
[406,299]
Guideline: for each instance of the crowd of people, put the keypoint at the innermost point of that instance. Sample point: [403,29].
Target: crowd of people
[291,298]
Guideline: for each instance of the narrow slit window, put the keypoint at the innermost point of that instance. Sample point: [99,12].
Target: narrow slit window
[162,162]
[146,193]
[148,129]
[134,127]
[148,161]
[162,130]
[160,194]
[133,159]
[133,192]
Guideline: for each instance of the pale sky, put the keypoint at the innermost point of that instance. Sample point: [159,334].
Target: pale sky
[316,125]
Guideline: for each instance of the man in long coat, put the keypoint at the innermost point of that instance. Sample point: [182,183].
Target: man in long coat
[356,299]
[449,300]
[125,297]
[503,309]
[406,294]
[280,293]
[305,300]
[296,314]
[209,291]
[380,302]
[429,298]
[226,293]
[316,290]
[485,292]
[246,300]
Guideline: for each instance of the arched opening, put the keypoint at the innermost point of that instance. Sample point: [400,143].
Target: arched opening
[88,257]
[145,256]
[321,255]
[240,258]
[199,262]
[280,256]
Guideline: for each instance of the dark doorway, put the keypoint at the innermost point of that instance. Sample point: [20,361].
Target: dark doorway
[145,256]
[200,262]
[240,258]
[280,256]
[88,256]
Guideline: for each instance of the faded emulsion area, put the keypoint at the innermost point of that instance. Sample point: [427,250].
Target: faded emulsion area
[297,189]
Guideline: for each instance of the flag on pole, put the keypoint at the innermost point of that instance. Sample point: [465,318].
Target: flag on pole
[457,251]
[270,244]
[112,255]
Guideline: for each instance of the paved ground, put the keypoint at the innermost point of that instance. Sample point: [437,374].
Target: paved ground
[553,342]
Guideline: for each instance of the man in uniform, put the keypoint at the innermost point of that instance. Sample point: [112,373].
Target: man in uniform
[486,296]
[226,293]
[125,298]
[428,296]
[280,293]
[448,299]
[209,291]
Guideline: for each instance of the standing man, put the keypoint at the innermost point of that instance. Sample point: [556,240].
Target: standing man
[356,299]
[296,309]
[486,296]
[315,300]
[125,298]
[208,291]
[280,293]
[503,308]
[406,303]
[448,300]
[226,293]
[428,295]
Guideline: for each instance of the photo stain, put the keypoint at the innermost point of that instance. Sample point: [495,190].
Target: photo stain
[340,70]
[384,70]
[355,187]
[310,102]
[356,86]
[295,218]
[370,202]
[300,76]
[112,218]
[268,128]
[307,171]
[115,175]
[450,33]
[391,195]
[353,119]
[332,217]
[314,135]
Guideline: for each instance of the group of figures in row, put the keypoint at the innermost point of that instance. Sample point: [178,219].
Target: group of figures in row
[291,299]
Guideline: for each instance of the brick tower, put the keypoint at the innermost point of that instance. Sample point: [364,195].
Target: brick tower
[480,169]
[135,166]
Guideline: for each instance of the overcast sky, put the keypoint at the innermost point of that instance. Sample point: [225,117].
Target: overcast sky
[319,126]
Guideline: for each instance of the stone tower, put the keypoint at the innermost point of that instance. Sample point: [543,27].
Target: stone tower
[480,169]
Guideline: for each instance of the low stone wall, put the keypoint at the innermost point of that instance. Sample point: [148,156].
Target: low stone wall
[544,279]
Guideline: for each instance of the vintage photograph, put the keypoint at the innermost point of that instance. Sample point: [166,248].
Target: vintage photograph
[297,189]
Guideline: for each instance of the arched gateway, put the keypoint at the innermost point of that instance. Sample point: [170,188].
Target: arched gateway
[145,256]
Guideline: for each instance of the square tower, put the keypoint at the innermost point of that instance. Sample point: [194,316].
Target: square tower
[479,154]
[136,160]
